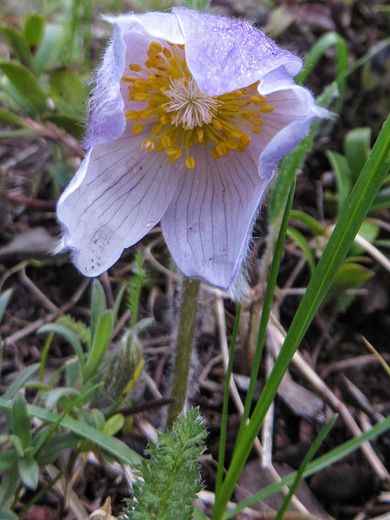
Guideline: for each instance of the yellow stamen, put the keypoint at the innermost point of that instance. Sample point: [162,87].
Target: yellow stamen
[257,100]
[137,129]
[257,122]
[131,114]
[135,67]
[166,141]
[148,144]
[190,163]
[155,47]
[266,108]
[176,114]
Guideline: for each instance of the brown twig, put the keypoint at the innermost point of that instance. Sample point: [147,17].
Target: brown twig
[28,201]
[32,327]
[46,302]
[220,313]
[56,134]
[314,379]
[142,407]
[356,363]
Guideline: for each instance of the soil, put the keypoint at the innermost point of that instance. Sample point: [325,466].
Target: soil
[333,347]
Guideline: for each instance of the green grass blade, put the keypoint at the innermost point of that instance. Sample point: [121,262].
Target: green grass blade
[267,305]
[62,416]
[98,306]
[309,455]
[355,210]
[382,200]
[287,171]
[303,244]
[69,335]
[329,39]
[4,299]
[24,81]
[39,495]
[350,221]
[222,440]
[20,46]
[307,221]
[22,378]
[99,346]
[6,514]
[376,49]
[317,465]
[199,515]
[88,32]
[44,355]
[117,448]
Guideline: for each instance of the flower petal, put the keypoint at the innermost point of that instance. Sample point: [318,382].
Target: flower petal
[118,194]
[158,25]
[132,37]
[121,190]
[207,226]
[225,54]
[294,111]
[106,118]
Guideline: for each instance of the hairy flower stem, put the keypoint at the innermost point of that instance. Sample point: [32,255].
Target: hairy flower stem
[184,343]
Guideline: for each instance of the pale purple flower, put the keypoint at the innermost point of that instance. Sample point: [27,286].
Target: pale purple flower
[189,119]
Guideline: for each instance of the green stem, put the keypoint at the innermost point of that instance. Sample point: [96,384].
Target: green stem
[184,343]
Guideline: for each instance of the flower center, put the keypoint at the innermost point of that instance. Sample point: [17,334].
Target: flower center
[175,114]
[191,106]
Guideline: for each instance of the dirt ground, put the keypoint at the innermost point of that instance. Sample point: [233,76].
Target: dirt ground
[334,347]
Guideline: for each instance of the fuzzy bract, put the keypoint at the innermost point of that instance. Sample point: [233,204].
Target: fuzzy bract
[189,119]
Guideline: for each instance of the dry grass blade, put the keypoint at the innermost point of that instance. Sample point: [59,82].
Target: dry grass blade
[32,327]
[277,330]
[377,355]
[61,486]
[46,302]
[220,313]
[54,133]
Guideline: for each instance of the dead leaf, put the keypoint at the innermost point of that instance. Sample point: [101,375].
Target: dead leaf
[104,513]
[255,477]
[30,243]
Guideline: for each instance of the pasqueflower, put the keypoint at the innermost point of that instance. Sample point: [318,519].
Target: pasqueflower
[189,119]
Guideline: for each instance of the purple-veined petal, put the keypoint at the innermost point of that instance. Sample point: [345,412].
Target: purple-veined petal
[121,191]
[118,194]
[137,45]
[132,37]
[159,25]
[106,118]
[225,54]
[294,111]
[207,226]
